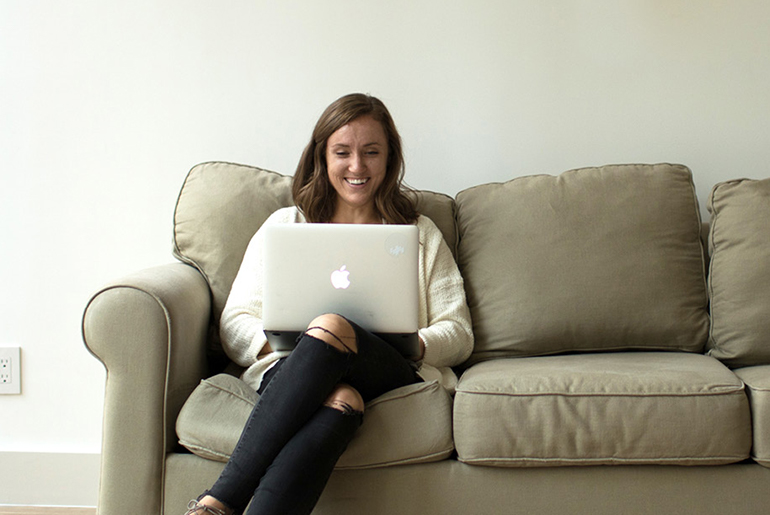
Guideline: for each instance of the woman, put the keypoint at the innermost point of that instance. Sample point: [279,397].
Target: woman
[312,399]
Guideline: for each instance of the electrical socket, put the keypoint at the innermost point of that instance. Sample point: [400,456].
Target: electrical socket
[10,370]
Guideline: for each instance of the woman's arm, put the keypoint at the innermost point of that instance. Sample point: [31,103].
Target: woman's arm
[448,336]
[240,328]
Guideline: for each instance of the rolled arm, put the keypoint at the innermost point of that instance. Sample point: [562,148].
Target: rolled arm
[150,331]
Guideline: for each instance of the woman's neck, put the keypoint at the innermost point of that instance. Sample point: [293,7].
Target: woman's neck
[356,216]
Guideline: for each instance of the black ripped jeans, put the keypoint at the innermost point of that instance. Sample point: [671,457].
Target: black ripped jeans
[291,442]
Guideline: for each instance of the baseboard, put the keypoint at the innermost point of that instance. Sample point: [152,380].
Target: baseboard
[49,479]
[45,510]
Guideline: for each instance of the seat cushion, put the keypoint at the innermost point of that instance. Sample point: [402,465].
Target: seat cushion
[594,259]
[222,205]
[412,424]
[590,409]
[757,381]
[739,278]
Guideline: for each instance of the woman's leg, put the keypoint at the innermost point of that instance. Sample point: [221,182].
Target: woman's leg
[305,463]
[293,395]
[298,475]
[377,367]
[331,349]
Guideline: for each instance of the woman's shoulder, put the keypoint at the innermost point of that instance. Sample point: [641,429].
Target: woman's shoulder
[423,222]
[431,237]
[286,215]
[428,228]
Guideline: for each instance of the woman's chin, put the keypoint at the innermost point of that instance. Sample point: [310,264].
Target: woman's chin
[360,198]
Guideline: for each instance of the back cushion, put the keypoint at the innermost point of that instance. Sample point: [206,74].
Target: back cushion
[739,280]
[222,205]
[594,259]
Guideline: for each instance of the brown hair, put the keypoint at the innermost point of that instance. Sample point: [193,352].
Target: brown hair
[315,196]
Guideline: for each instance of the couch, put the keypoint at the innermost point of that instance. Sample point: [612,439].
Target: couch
[621,362]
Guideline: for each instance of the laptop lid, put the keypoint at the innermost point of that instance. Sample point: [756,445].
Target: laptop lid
[366,273]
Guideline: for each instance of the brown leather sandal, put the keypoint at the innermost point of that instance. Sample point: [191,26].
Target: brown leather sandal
[194,507]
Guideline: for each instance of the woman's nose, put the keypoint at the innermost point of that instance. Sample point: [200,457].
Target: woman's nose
[357,162]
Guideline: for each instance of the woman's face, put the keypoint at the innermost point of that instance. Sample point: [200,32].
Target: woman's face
[356,161]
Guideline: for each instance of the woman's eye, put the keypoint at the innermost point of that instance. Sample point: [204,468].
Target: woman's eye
[341,154]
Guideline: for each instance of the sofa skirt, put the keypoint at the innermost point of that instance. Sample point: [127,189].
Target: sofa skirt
[451,487]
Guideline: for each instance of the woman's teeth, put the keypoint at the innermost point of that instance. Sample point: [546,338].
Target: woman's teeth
[357,182]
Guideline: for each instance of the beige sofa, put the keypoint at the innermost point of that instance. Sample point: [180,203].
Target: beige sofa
[617,369]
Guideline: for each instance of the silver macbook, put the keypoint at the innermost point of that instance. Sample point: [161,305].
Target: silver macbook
[366,273]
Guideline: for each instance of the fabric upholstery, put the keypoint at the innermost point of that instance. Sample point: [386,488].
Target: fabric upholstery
[596,409]
[149,330]
[739,278]
[594,259]
[412,424]
[219,209]
[150,333]
[449,487]
[757,381]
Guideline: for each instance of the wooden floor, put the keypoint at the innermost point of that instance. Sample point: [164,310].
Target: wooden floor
[45,510]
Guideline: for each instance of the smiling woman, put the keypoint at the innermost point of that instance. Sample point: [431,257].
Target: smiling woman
[353,140]
[356,159]
[312,397]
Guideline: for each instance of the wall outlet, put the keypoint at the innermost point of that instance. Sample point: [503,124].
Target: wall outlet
[10,370]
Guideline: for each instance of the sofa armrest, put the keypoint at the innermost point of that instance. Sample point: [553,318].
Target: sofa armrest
[149,330]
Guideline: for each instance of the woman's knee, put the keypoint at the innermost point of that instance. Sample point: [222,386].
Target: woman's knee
[345,398]
[335,331]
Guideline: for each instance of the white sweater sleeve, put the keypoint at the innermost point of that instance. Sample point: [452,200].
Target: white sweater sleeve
[240,328]
[447,330]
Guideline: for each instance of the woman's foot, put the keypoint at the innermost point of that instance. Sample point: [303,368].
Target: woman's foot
[207,505]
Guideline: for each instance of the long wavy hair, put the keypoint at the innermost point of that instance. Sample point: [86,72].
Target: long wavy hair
[313,193]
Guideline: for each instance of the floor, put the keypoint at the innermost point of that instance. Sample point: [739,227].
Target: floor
[45,510]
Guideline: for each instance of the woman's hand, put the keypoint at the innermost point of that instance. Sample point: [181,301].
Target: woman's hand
[266,349]
[422,351]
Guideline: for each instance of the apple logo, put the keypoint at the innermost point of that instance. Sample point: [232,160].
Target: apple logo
[340,278]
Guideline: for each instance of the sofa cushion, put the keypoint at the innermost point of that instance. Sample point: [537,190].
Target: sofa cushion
[739,278]
[440,208]
[591,409]
[412,424]
[219,209]
[594,259]
[757,380]
[222,205]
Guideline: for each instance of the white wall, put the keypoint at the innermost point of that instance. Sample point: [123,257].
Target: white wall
[105,105]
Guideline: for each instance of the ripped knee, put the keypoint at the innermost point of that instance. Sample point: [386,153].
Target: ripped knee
[335,331]
[346,399]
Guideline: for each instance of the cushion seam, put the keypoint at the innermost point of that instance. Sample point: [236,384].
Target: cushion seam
[714,345]
[411,459]
[244,399]
[381,464]
[758,388]
[200,448]
[597,394]
[603,459]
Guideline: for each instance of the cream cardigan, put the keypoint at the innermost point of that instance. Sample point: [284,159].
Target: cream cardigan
[444,318]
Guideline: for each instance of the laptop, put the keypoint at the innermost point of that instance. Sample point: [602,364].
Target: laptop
[366,273]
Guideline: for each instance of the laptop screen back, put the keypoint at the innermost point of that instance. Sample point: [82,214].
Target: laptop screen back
[366,273]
